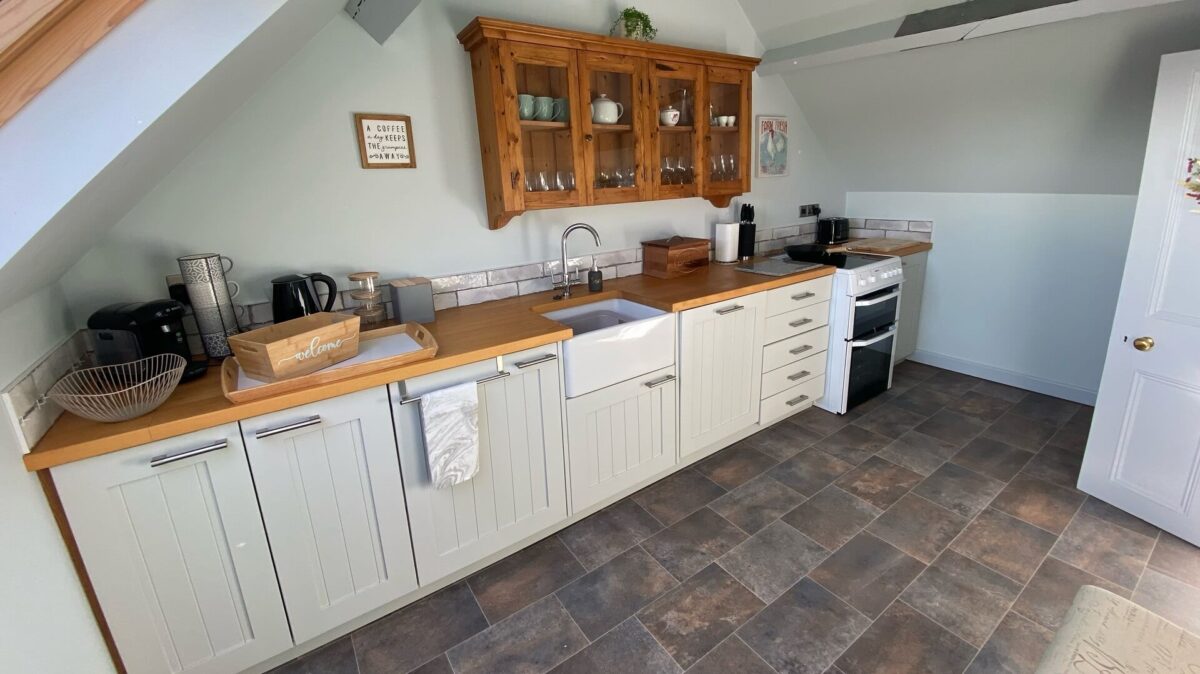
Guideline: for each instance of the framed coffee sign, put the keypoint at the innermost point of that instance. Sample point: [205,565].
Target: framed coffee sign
[385,141]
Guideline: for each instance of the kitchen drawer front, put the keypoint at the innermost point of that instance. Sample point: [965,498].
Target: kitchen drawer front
[795,322]
[786,403]
[798,296]
[793,349]
[781,379]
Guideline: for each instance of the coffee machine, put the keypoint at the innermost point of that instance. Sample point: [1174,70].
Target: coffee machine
[128,331]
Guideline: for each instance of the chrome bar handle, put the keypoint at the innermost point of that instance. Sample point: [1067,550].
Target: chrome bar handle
[659,382]
[800,349]
[494,377]
[729,310]
[877,300]
[879,338]
[799,375]
[796,401]
[802,321]
[537,361]
[311,421]
[803,296]
[164,459]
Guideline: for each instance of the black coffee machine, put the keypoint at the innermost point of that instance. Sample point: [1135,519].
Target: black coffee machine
[131,330]
[294,295]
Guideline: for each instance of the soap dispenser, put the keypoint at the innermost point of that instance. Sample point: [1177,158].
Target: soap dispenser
[595,279]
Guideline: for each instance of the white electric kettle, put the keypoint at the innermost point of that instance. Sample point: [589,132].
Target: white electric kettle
[605,111]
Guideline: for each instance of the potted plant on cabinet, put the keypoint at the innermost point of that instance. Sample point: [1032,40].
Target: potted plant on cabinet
[635,24]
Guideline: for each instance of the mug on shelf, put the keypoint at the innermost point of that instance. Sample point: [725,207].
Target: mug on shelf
[564,110]
[731,120]
[723,120]
[525,106]
[545,108]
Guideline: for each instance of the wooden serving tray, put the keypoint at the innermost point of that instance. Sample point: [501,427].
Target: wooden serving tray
[231,371]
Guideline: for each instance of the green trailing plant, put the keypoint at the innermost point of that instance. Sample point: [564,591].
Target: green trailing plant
[635,23]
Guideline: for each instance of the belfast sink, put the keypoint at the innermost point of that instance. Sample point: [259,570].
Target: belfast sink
[615,340]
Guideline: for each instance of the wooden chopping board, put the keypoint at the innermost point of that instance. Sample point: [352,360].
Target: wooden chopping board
[878,245]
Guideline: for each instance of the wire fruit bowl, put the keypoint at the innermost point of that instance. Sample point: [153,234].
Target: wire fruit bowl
[111,393]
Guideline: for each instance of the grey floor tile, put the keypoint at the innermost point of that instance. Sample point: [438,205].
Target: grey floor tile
[736,465]
[1004,392]
[832,517]
[608,533]
[819,421]
[419,632]
[960,490]
[732,656]
[757,503]
[1104,549]
[879,482]
[952,427]
[1177,558]
[1101,510]
[919,452]
[867,573]
[1005,544]
[918,371]
[903,641]
[804,630]
[992,458]
[919,527]
[524,577]
[1045,408]
[783,441]
[694,542]
[922,400]
[438,665]
[1040,503]
[532,641]
[853,444]
[810,471]
[952,383]
[1021,432]
[1056,466]
[604,598]
[1048,596]
[677,496]
[336,657]
[1174,600]
[964,596]
[692,619]
[772,560]
[626,648]
[889,420]
[1015,647]
[979,406]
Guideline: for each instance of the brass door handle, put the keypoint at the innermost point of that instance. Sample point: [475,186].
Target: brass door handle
[1143,343]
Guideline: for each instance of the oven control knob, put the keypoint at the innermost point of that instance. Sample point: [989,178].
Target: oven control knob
[872,279]
[862,282]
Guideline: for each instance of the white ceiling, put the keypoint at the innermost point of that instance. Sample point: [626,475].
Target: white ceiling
[780,23]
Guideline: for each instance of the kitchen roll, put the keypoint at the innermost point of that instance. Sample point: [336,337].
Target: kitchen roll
[727,242]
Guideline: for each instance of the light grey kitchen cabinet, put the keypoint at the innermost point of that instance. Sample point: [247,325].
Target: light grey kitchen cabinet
[720,351]
[620,435]
[332,499]
[520,489]
[910,304]
[174,545]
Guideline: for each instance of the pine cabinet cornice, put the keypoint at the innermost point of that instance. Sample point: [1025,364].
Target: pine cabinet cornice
[543,147]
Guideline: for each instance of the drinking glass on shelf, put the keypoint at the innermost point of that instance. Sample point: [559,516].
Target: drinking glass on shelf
[542,184]
[619,178]
[630,176]
[558,181]
[602,179]
[732,172]
[568,179]
[687,171]
[528,183]
[668,173]
[714,170]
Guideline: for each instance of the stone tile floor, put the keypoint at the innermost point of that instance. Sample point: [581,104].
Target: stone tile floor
[933,529]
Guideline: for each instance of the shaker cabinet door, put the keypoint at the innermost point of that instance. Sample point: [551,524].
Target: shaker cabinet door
[329,482]
[621,435]
[720,370]
[174,546]
[520,489]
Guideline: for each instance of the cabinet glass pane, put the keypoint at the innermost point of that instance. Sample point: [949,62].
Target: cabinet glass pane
[676,161]
[724,125]
[544,108]
[613,126]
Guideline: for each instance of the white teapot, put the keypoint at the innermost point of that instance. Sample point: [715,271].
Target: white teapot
[605,111]
[668,116]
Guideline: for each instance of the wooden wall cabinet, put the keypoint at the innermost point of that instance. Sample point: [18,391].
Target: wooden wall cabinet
[541,148]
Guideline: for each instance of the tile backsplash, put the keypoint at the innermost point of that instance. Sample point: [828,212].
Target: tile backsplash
[912,230]
[25,401]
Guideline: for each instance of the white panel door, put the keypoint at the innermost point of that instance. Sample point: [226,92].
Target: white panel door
[173,543]
[520,488]
[333,502]
[620,435]
[720,351]
[1143,454]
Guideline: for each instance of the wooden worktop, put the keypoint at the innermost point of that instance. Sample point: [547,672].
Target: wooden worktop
[464,334]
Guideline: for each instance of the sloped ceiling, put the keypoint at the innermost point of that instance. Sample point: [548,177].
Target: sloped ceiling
[82,153]
[780,24]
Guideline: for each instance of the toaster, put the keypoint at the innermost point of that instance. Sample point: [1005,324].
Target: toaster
[833,230]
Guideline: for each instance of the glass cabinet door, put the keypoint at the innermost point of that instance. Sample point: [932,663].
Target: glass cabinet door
[613,88]
[728,125]
[676,167]
[541,96]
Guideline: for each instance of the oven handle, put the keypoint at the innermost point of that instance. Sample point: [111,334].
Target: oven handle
[879,338]
[878,300]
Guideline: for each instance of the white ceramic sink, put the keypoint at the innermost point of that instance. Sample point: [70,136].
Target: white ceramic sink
[614,340]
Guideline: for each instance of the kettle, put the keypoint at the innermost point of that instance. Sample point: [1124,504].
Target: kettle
[606,111]
[294,295]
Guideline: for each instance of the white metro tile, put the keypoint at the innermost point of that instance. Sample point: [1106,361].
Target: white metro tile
[582,262]
[629,269]
[445,301]
[920,226]
[857,223]
[615,257]
[486,294]
[24,395]
[509,274]
[911,236]
[458,282]
[785,232]
[887,224]
[534,285]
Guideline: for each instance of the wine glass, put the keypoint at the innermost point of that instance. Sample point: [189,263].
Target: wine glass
[559,185]
[668,173]
[688,170]
[543,183]
[602,179]
[732,173]
[630,176]
[570,180]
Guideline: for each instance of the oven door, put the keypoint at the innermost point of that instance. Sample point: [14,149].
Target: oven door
[872,342]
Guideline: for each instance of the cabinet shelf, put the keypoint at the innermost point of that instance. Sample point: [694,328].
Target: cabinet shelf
[538,125]
[675,129]
[611,128]
[723,129]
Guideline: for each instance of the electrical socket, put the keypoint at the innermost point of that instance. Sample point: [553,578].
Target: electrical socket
[809,210]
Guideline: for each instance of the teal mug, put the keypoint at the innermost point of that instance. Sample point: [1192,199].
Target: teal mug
[546,108]
[564,110]
[525,106]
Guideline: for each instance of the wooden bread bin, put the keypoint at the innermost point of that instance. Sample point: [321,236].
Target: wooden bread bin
[297,347]
[674,257]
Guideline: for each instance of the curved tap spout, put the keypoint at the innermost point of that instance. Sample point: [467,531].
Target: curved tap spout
[566,272]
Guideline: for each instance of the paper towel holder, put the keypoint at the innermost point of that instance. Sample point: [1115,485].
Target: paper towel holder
[725,243]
